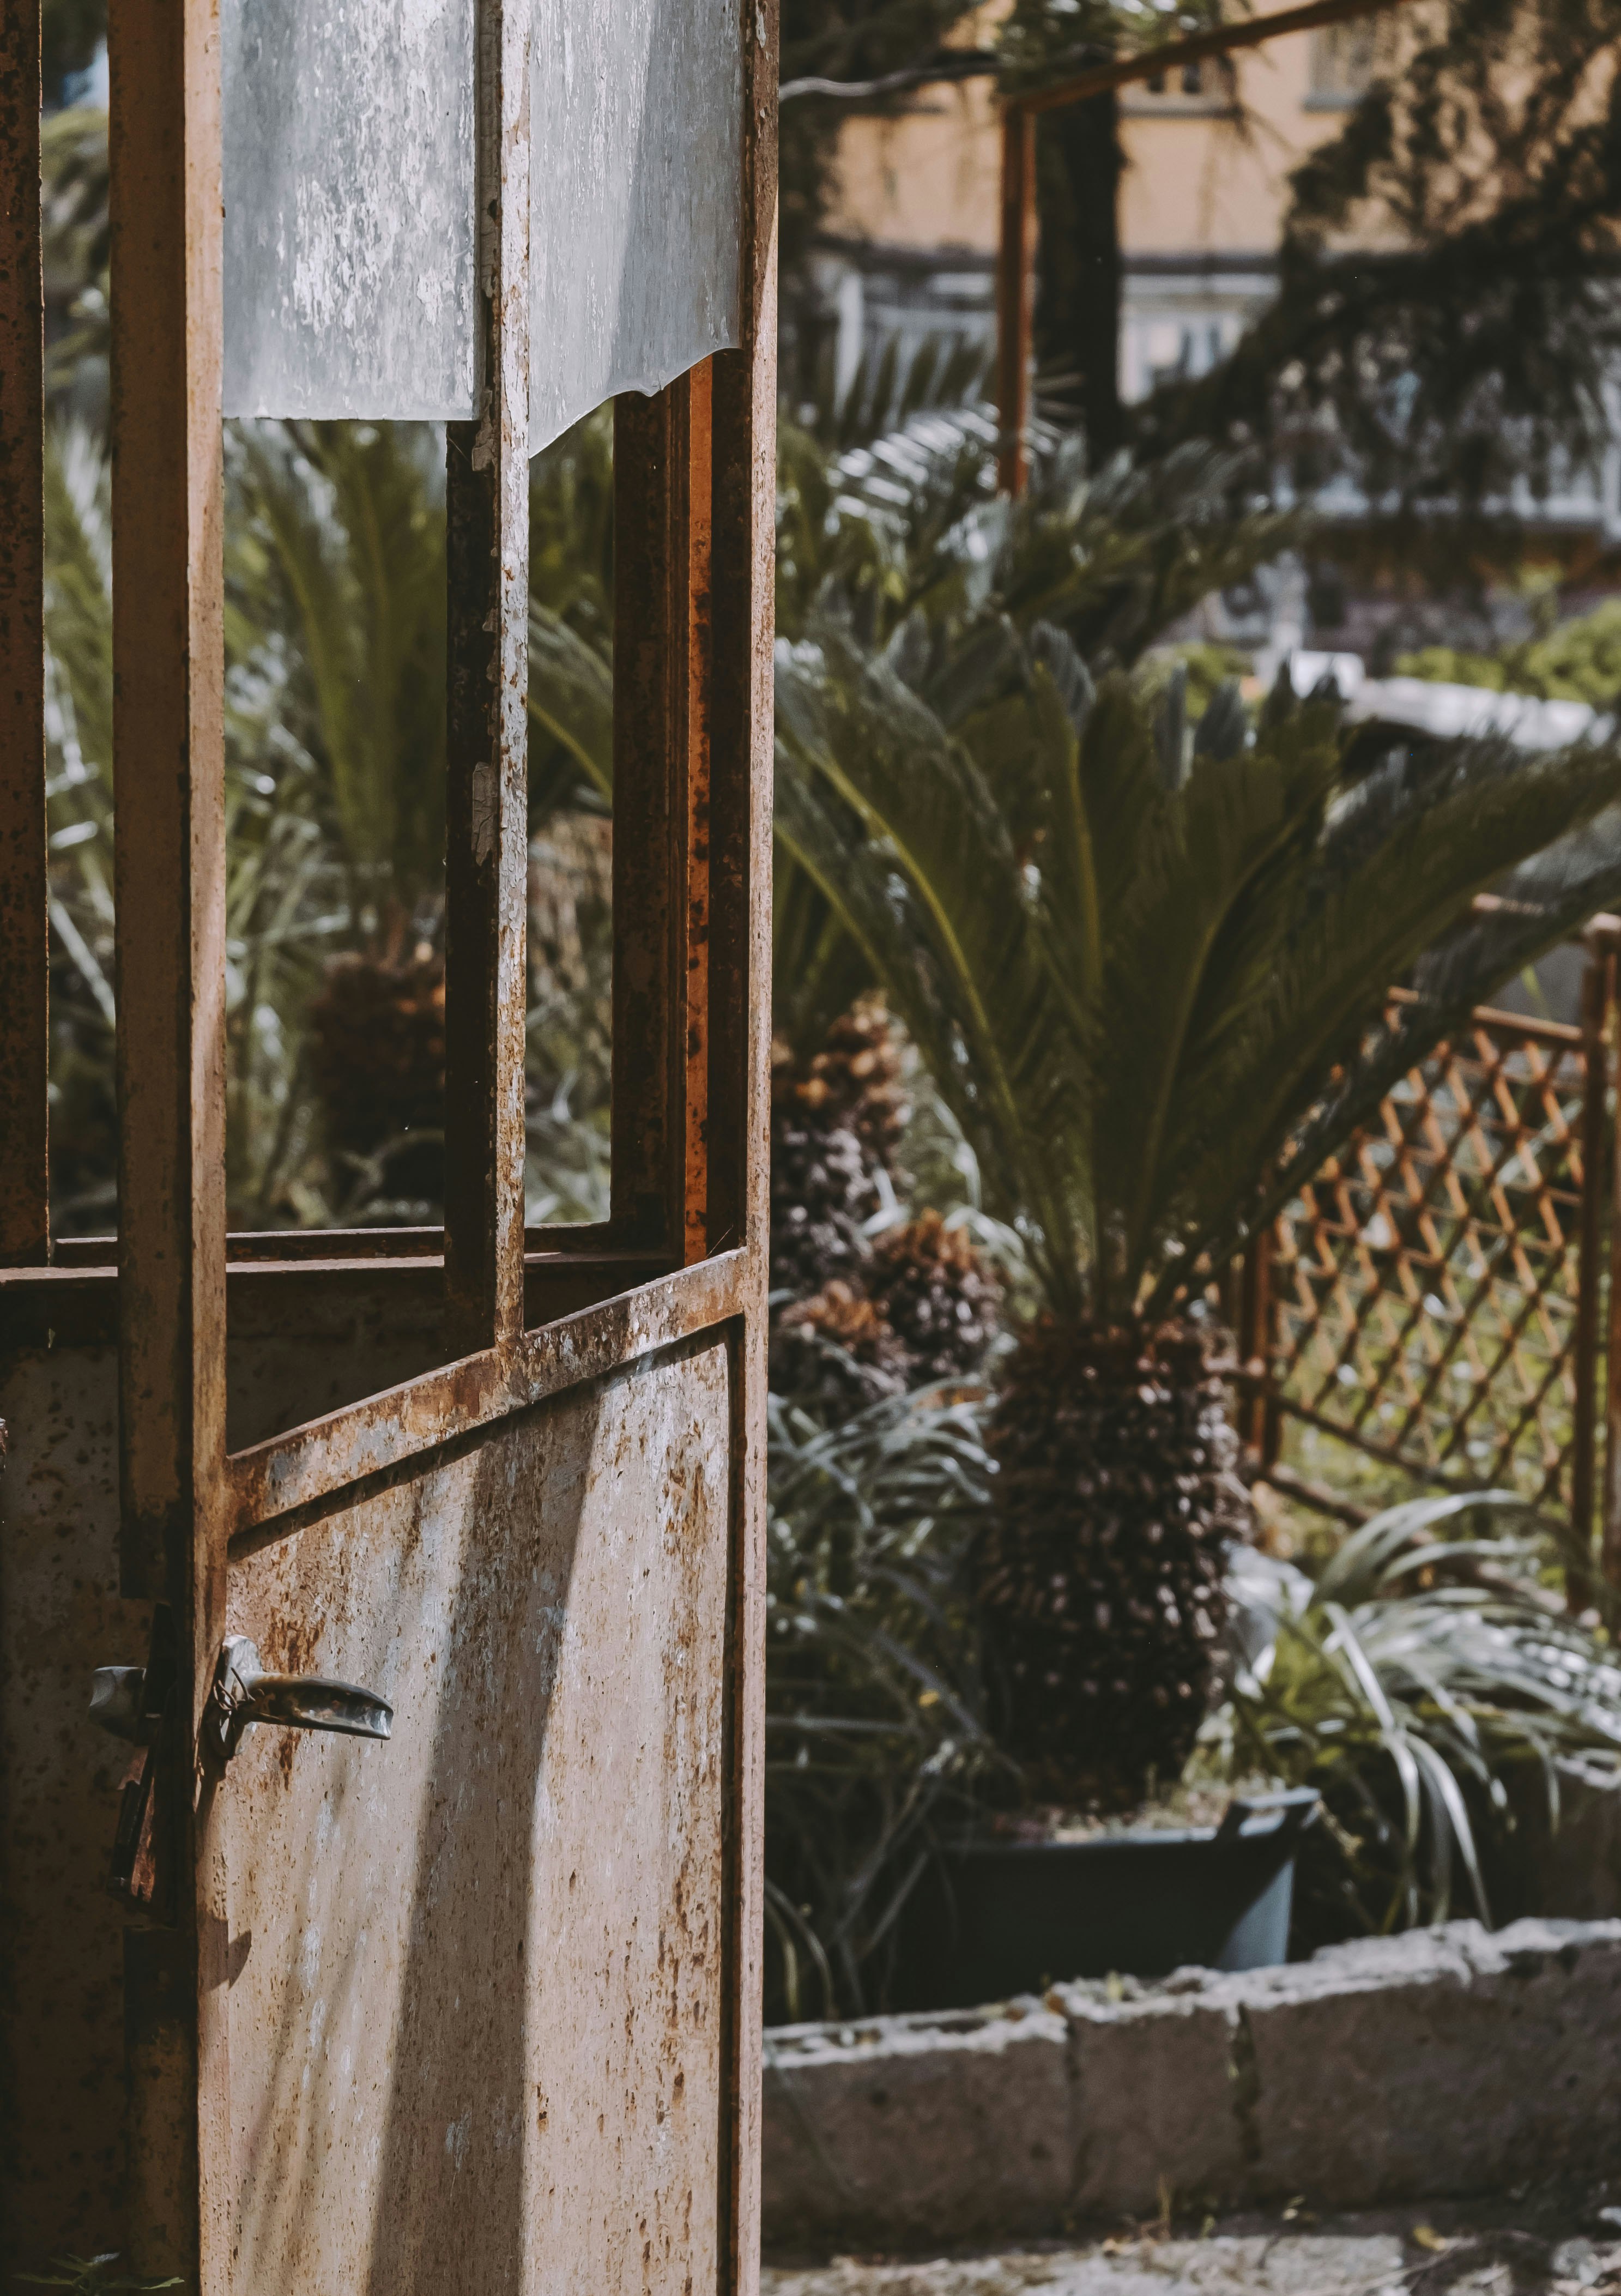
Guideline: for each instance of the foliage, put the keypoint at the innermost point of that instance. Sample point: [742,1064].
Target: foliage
[335,774]
[1426,1666]
[88,2276]
[1576,660]
[908,523]
[1462,352]
[75,243]
[874,1733]
[1134,958]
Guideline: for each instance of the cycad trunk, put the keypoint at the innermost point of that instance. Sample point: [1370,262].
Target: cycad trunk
[1099,1580]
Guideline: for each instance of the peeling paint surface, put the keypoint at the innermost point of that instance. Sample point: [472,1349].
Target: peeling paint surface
[477,1974]
[635,199]
[349,263]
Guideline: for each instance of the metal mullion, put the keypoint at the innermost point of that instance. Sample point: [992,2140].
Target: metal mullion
[25,1223]
[742,593]
[662,815]
[486,828]
[169,851]
[691,668]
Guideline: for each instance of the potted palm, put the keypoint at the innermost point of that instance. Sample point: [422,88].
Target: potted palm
[1145,963]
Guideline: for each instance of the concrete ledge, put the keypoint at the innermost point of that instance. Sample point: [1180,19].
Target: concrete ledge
[914,2129]
[1444,2061]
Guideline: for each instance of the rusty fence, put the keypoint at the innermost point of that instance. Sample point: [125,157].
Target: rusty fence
[1440,1297]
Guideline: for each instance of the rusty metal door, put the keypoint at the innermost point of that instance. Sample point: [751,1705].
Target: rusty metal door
[473,2004]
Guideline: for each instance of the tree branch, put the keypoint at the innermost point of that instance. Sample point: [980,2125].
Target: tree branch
[980,64]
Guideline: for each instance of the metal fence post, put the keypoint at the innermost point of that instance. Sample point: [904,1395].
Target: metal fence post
[1596,998]
[1609,1565]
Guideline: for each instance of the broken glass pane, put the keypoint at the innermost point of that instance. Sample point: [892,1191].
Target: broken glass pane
[349,197]
[635,190]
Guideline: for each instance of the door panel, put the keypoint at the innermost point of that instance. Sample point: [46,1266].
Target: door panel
[477,1975]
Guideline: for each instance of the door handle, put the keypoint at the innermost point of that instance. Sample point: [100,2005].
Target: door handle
[244,1692]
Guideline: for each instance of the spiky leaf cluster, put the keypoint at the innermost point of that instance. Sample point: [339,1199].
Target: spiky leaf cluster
[1142,961]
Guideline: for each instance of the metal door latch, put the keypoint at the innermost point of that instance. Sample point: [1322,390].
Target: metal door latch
[243,1693]
[134,1702]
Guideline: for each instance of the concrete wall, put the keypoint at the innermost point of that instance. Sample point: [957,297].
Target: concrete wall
[1447,2061]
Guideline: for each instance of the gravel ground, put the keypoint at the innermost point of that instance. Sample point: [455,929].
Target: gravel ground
[1552,2247]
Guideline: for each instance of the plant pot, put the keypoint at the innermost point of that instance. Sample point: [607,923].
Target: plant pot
[990,1919]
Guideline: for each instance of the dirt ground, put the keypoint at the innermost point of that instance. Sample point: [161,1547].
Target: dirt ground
[1551,2245]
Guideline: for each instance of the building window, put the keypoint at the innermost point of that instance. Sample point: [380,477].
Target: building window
[1193,89]
[1341,69]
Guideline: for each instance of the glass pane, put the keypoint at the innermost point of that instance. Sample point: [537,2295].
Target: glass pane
[635,234]
[348,168]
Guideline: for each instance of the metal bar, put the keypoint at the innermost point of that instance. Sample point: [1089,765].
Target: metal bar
[1219,42]
[487,801]
[1609,1555]
[1364,1443]
[25,941]
[274,1483]
[691,668]
[169,853]
[1313,1494]
[1489,1016]
[1596,996]
[642,1118]
[77,1306]
[1013,301]
[744,504]
[740,745]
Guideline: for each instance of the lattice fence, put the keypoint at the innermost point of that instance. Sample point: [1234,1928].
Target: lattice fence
[1425,1289]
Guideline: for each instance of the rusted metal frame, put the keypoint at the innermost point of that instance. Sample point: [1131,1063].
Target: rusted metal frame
[1530,1410]
[169,856]
[1598,995]
[1366,1444]
[645,1141]
[1507,1352]
[1609,1550]
[1554,1456]
[25,940]
[1014,255]
[77,1306]
[744,401]
[487,757]
[1419,1313]
[1357,1320]
[1561,1033]
[271,1482]
[691,662]
[663,490]
[1445,1166]
[584,1239]
[1401,1145]
[1416,1421]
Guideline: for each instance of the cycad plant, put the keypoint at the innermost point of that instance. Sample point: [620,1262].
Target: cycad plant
[1145,965]
[1427,1685]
